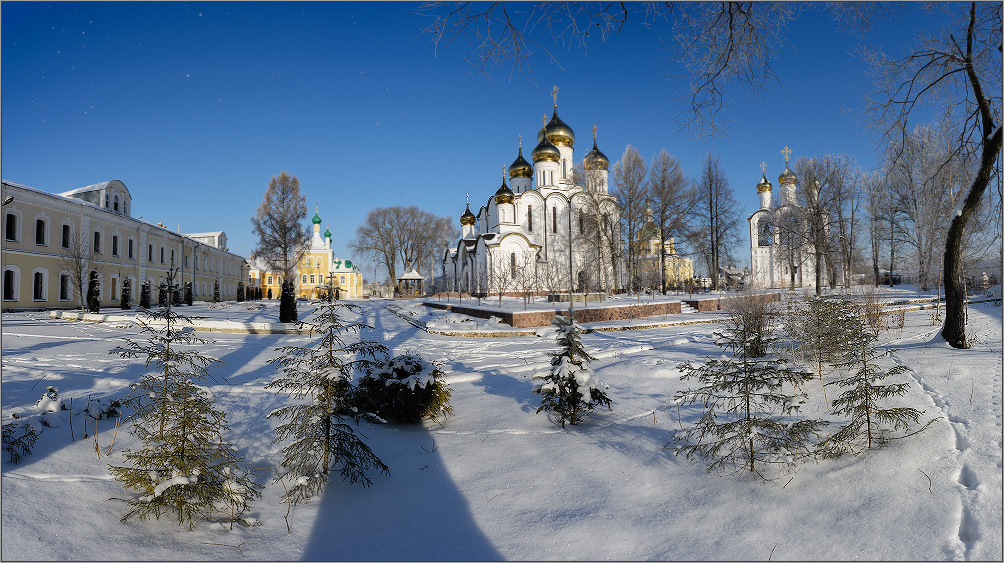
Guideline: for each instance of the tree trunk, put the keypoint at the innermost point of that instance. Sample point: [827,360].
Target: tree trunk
[954,329]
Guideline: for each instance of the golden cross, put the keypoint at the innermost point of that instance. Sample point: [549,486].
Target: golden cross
[521,141]
[554,94]
[763,167]
[786,152]
[503,173]
[468,202]
[594,132]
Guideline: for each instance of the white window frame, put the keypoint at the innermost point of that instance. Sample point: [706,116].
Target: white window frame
[45,230]
[16,285]
[18,225]
[45,284]
[65,274]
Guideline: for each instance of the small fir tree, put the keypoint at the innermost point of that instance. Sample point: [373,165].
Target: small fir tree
[749,418]
[571,389]
[826,332]
[184,466]
[93,298]
[144,295]
[270,293]
[216,291]
[405,389]
[861,402]
[176,295]
[287,303]
[318,437]
[162,294]
[126,294]
[188,293]
[240,291]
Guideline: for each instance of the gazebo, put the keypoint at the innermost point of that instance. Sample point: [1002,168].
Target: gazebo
[412,284]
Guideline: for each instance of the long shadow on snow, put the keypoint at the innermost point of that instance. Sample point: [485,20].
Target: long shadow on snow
[374,318]
[416,514]
[502,384]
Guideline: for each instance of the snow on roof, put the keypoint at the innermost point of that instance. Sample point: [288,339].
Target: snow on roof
[204,235]
[412,275]
[93,188]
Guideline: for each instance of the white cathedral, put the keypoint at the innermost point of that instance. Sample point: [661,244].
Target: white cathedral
[782,254]
[544,231]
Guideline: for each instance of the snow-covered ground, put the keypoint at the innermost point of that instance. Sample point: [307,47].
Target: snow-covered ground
[497,480]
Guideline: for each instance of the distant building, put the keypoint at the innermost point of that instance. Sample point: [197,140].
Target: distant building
[42,230]
[649,248]
[548,231]
[781,252]
[317,268]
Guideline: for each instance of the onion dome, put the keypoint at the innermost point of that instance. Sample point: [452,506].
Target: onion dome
[595,160]
[317,218]
[520,168]
[557,131]
[787,177]
[327,231]
[545,150]
[764,184]
[467,218]
[504,194]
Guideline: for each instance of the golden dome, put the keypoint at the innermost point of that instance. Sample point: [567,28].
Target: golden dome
[787,177]
[520,168]
[504,194]
[595,160]
[557,131]
[545,150]
[467,218]
[764,184]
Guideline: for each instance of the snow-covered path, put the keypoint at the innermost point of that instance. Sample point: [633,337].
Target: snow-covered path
[497,480]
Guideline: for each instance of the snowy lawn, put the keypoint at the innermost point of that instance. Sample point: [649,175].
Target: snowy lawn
[496,480]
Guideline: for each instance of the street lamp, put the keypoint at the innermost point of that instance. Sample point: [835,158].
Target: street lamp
[7,199]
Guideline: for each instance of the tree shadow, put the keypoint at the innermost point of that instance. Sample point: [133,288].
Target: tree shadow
[416,514]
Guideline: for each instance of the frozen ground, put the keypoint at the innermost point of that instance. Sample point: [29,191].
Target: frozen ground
[498,481]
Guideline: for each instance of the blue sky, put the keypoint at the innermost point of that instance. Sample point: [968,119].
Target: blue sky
[195,106]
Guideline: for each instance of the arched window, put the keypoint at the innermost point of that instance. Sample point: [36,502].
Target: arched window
[114,288]
[38,286]
[765,234]
[512,264]
[313,279]
[310,262]
[554,219]
[10,227]
[115,250]
[268,280]
[116,203]
[106,201]
[564,168]
[40,232]
[582,223]
[11,283]
[65,291]
[67,233]
[97,242]
[529,218]
[303,279]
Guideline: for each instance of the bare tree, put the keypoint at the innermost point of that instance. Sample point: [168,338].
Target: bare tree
[527,277]
[629,179]
[874,194]
[279,225]
[715,230]
[503,273]
[552,276]
[672,200]
[77,258]
[402,236]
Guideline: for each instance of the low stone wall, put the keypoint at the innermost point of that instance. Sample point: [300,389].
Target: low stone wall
[704,304]
[577,297]
[528,319]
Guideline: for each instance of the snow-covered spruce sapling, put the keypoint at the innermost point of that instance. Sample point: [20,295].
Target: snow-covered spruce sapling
[750,415]
[144,295]
[570,389]
[405,389]
[184,466]
[216,291]
[317,435]
[825,332]
[287,303]
[93,296]
[861,401]
[18,440]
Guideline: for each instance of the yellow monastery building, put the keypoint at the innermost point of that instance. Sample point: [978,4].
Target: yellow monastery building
[316,269]
[46,235]
[648,247]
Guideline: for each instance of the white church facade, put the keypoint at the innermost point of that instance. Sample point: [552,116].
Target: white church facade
[551,229]
[782,254]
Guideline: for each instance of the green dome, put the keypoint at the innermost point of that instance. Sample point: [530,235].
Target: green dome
[317,219]
[327,233]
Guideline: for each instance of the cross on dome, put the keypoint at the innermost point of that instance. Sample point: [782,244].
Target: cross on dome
[521,141]
[763,167]
[594,132]
[786,152]
[554,94]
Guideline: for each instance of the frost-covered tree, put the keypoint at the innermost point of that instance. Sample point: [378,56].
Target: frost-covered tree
[162,294]
[183,467]
[317,434]
[749,397]
[188,293]
[571,389]
[405,388]
[216,291]
[869,420]
[240,291]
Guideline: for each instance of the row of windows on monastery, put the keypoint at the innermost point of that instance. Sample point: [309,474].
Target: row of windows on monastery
[42,231]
